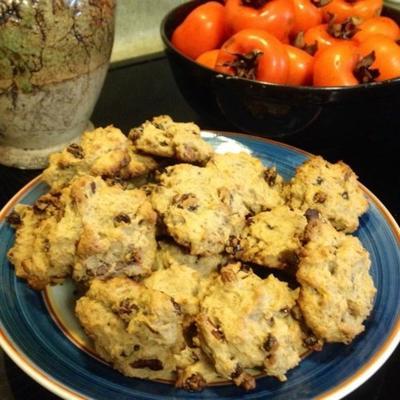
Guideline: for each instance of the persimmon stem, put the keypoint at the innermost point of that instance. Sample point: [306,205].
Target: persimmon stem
[363,71]
[300,43]
[254,3]
[320,3]
[346,30]
[245,65]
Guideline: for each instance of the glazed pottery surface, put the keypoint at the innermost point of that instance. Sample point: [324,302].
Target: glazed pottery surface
[54,56]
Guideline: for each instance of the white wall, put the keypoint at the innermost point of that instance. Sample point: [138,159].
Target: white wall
[138,27]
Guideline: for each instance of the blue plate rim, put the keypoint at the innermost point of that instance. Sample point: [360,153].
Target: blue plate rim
[344,388]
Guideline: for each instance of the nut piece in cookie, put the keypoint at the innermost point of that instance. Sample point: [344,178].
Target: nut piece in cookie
[336,289]
[188,201]
[105,152]
[272,238]
[134,328]
[118,230]
[245,323]
[332,189]
[34,229]
[165,138]
[259,187]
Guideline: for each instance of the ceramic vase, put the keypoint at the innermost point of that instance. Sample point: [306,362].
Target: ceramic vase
[54,56]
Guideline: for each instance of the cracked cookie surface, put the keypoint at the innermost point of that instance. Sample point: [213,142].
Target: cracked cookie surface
[272,238]
[259,187]
[332,189]
[30,253]
[245,322]
[89,229]
[104,152]
[118,230]
[165,138]
[135,328]
[337,290]
[179,282]
[196,207]
[169,253]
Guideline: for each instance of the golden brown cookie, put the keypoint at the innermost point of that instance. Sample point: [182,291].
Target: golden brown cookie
[197,208]
[179,282]
[259,187]
[245,322]
[118,230]
[337,290]
[165,138]
[332,189]
[137,329]
[272,238]
[169,253]
[104,152]
[30,253]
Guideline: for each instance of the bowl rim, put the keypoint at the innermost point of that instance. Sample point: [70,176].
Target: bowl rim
[361,87]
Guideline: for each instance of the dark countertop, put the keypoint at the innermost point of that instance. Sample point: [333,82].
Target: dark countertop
[141,90]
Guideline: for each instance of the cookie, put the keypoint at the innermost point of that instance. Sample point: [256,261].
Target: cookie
[245,322]
[196,208]
[179,282]
[169,254]
[118,230]
[332,189]
[136,329]
[186,288]
[259,187]
[102,152]
[88,229]
[165,138]
[164,299]
[65,235]
[337,290]
[139,166]
[194,370]
[30,253]
[272,238]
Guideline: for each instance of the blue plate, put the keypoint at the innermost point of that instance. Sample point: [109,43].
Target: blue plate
[32,336]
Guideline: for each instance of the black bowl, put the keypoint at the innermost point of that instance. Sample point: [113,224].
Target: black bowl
[270,109]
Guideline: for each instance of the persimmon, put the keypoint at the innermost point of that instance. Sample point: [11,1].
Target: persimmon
[254,54]
[202,30]
[208,58]
[273,16]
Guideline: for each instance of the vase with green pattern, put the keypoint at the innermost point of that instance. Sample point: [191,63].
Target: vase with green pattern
[54,56]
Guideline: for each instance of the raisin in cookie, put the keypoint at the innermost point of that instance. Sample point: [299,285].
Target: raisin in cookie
[195,370]
[337,290]
[197,208]
[259,187]
[102,152]
[136,329]
[165,138]
[272,238]
[30,253]
[246,322]
[169,253]
[118,230]
[332,189]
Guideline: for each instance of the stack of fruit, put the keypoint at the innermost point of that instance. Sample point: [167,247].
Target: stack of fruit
[293,42]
